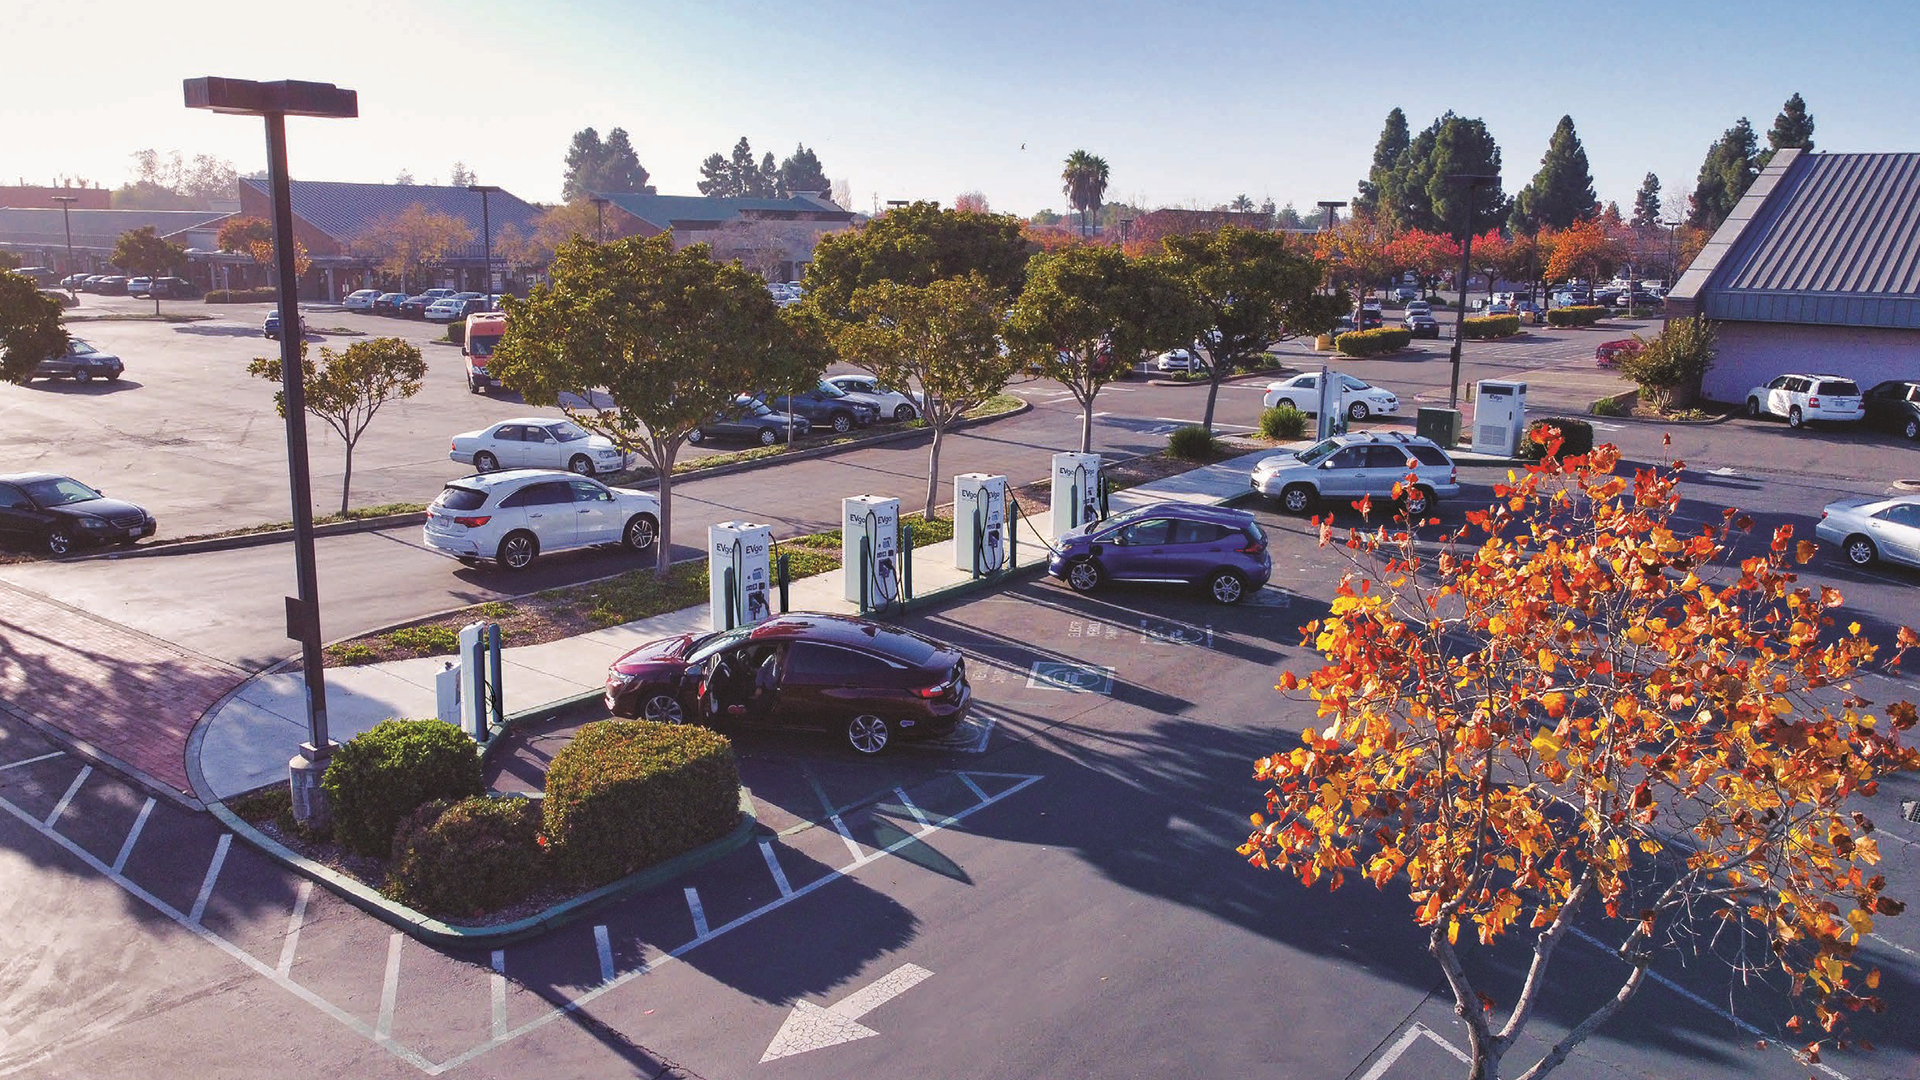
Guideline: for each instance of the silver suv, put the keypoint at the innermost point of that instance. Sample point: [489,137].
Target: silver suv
[1347,467]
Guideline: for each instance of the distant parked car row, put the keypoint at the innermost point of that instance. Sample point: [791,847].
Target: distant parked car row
[116,285]
[433,305]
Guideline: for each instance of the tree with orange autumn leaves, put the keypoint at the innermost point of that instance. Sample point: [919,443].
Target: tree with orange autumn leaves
[1592,717]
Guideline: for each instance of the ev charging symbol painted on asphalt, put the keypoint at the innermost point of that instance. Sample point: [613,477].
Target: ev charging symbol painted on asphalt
[1073,678]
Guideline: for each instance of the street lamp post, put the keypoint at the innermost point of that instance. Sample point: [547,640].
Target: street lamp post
[66,204]
[1473,182]
[1673,253]
[1329,206]
[599,218]
[275,101]
[486,232]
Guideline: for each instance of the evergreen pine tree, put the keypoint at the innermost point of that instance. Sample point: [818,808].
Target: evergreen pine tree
[1462,147]
[1724,176]
[1386,155]
[1646,202]
[1562,191]
[1792,127]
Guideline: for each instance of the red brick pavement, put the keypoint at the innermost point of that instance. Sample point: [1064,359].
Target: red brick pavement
[121,696]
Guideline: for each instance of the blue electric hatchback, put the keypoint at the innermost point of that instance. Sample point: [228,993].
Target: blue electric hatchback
[1224,550]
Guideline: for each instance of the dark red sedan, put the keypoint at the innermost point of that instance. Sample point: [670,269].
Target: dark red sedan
[863,681]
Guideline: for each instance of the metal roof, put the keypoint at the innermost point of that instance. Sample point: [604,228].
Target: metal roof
[346,211]
[1821,239]
[33,226]
[663,211]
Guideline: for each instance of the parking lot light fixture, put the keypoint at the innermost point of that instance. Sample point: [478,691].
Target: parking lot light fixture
[486,235]
[274,102]
[1330,205]
[599,217]
[66,204]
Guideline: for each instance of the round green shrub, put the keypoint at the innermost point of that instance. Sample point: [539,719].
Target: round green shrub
[1190,443]
[1576,437]
[380,777]
[465,859]
[457,333]
[1283,424]
[1490,326]
[626,794]
[257,295]
[1374,342]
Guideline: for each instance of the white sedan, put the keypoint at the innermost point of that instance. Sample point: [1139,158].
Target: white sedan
[890,402]
[538,442]
[360,300]
[1177,360]
[1358,400]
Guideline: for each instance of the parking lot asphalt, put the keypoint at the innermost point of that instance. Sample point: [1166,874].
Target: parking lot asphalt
[1057,898]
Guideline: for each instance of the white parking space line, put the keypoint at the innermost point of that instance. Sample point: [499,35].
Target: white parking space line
[290,948]
[773,864]
[72,790]
[852,844]
[918,814]
[29,761]
[390,989]
[499,981]
[213,875]
[605,948]
[133,836]
[1406,1040]
[699,913]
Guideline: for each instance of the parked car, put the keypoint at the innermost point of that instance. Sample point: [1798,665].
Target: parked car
[1225,550]
[444,310]
[826,406]
[538,442]
[81,363]
[360,299]
[1873,528]
[1350,467]
[112,285]
[1498,307]
[58,514]
[1801,398]
[1405,293]
[1370,317]
[1609,353]
[511,518]
[1177,360]
[139,286]
[39,275]
[1422,324]
[172,286]
[388,303]
[1419,307]
[92,282]
[1357,399]
[1895,404]
[749,419]
[74,281]
[862,681]
[270,327]
[902,407]
[414,307]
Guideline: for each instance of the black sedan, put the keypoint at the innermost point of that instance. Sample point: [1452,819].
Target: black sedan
[749,420]
[388,303]
[862,681]
[57,514]
[1421,325]
[81,363]
[828,406]
[1895,404]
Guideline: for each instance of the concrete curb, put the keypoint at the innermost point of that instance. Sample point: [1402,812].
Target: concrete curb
[438,932]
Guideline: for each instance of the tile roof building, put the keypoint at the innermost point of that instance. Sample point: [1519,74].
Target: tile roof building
[772,237]
[1816,270]
[39,235]
[84,198]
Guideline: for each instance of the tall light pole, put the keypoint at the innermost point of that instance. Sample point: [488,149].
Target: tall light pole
[486,232]
[1473,181]
[66,204]
[275,101]
[599,217]
[1673,253]
[1329,206]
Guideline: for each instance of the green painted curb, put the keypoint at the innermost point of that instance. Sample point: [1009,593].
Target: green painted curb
[436,932]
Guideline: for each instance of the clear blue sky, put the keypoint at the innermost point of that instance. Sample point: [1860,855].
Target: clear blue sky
[1189,103]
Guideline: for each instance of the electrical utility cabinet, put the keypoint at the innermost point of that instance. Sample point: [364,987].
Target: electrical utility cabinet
[979,522]
[739,573]
[1499,416]
[1076,491]
[876,522]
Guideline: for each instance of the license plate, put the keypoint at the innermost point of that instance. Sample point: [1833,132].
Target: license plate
[134,532]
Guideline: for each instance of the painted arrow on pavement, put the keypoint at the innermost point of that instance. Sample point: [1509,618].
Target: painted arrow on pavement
[810,1027]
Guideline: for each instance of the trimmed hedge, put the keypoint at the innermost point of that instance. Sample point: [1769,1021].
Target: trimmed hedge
[1383,339]
[626,794]
[457,333]
[1190,443]
[1490,326]
[256,295]
[1576,438]
[465,859]
[1283,424]
[1584,315]
[380,777]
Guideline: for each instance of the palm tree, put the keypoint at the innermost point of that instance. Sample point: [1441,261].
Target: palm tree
[1241,204]
[1085,184]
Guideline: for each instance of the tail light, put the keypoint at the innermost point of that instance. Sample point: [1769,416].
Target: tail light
[942,688]
[1254,547]
[1813,403]
[472,522]
[1453,475]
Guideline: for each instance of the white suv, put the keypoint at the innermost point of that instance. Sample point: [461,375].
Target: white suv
[1801,398]
[510,518]
[1348,467]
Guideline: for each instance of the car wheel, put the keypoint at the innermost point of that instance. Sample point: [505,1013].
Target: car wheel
[868,734]
[115,377]
[1753,407]
[1912,430]
[1794,419]
[642,532]
[903,413]
[1860,550]
[1226,587]
[58,542]
[517,550]
[1285,403]
[1298,498]
[696,437]
[472,387]
[580,464]
[485,462]
[1084,575]
[768,436]
[842,423]
[1416,500]
[83,376]
[1357,411]
[663,708]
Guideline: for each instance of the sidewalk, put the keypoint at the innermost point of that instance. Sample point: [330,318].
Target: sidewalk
[245,740]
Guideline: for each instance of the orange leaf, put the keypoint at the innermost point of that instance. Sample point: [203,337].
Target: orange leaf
[1805,550]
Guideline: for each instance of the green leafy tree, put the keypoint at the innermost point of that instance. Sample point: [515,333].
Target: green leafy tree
[1381,185]
[915,245]
[460,175]
[1792,127]
[802,171]
[415,237]
[668,337]
[1089,312]
[594,165]
[1084,181]
[1724,176]
[346,389]
[1288,218]
[30,329]
[768,185]
[1562,191]
[9,261]
[1669,366]
[1251,289]
[146,253]
[1045,217]
[943,337]
[1242,203]
[1462,147]
[1646,203]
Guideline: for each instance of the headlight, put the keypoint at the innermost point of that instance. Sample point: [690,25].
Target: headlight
[92,523]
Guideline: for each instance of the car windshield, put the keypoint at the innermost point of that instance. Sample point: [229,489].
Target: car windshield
[827,389]
[79,348]
[567,431]
[455,497]
[1118,520]
[58,492]
[755,408]
[482,344]
[709,644]
[1318,451]
[1352,383]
